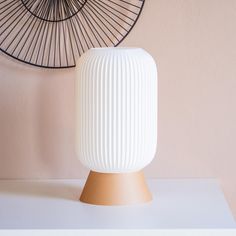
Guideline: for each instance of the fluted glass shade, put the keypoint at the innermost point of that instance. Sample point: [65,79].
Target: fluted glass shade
[116,109]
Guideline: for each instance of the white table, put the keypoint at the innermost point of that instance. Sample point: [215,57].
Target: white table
[53,204]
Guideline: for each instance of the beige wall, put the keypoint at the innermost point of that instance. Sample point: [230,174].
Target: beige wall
[194,44]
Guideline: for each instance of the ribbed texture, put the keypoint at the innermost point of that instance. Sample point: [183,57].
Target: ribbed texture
[116,109]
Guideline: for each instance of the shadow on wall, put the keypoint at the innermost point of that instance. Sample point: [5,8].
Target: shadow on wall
[37,122]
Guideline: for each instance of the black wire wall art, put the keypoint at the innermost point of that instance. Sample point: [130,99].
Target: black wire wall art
[54,33]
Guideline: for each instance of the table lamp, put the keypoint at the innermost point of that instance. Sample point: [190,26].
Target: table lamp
[116,123]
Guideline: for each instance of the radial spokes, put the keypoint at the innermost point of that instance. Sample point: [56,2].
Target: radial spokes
[54,33]
[53,10]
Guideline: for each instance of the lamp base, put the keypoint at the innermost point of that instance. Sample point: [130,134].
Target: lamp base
[115,189]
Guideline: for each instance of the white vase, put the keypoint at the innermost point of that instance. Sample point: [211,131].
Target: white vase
[116,104]
[116,109]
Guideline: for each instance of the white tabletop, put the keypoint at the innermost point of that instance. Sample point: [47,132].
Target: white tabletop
[53,204]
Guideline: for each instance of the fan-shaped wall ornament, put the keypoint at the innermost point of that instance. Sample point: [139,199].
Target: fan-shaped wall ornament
[54,33]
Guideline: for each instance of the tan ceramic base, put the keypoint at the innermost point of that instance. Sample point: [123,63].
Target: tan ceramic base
[115,189]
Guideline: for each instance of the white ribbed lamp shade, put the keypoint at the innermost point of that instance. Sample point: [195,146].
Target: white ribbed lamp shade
[116,109]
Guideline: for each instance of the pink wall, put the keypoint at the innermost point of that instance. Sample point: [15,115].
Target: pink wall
[194,45]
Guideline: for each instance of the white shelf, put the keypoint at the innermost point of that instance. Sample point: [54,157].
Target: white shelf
[53,204]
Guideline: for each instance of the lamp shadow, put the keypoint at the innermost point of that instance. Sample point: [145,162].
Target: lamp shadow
[66,191]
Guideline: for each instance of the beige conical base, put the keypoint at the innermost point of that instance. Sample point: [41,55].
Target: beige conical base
[115,189]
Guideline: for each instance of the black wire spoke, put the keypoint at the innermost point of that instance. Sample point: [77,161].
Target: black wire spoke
[55,33]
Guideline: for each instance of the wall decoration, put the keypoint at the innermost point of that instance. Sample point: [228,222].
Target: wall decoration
[55,33]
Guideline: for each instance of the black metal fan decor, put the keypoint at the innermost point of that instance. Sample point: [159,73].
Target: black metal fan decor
[54,33]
